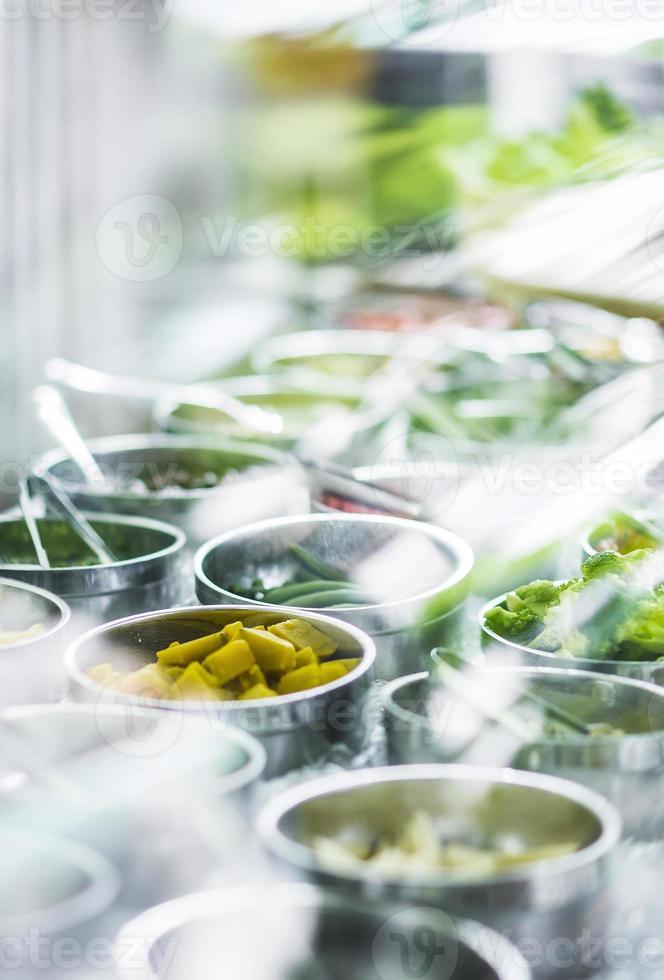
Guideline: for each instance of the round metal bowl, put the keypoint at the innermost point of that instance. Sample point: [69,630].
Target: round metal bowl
[548,902]
[593,536]
[51,887]
[156,749]
[30,668]
[256,481]
[624,768]
[299,406]
[124,780]
[435,565]
[295,729]
[651,671]
[213,933]
[151,574]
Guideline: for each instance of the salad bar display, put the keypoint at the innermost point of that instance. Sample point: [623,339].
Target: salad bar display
[332,641]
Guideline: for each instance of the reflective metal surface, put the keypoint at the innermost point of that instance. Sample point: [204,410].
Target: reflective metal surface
[556,899]
[427,567]
[30,668]
[333,939]
[295,729]
[625,768]
[153,572]
[257,481]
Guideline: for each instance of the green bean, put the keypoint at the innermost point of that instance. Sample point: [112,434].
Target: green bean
[333,597]
[282,593]
[314,564]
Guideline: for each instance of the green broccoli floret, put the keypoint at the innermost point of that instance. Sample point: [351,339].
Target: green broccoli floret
[604,563]
[537,597]
[612,563]
[518,626]
[641,635]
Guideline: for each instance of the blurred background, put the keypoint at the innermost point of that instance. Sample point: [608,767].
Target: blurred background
[181,180]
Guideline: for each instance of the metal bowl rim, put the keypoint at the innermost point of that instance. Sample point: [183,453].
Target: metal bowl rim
[460,550]
[286,383]
[148,523]
[157,921]
[55,600]
[392,687]
[586,546]
[366,644]
[101,891]
[301,855]
[546,653]
[249,771]
[134,442]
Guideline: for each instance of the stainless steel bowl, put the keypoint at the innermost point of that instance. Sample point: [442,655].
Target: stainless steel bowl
[117,753]
[153,575]
[592,535]
[652,672]
[261,482]
[432,567]
[125,781]
[51,888]
[299,406]
[295,729]
[214,933]
[626,769]
[30,668]
[553,901]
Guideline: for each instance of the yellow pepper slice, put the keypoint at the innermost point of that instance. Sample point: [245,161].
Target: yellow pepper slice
[301,679]
[196,682]
[148,682]
[229,662]
[257,692]
[350,663]
[253,676]
[182,654]
[302,634]
[304,657]
[273,654]
[332,671]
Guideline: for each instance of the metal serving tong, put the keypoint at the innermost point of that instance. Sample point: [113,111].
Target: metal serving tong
[58,499]
[340,480]
[94,382]
[450,668]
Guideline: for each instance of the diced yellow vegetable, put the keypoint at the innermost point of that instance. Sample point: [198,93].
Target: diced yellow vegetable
[181,654]
[148,682]
[195,682]
[257,692]
[239,662]
[332,671]
[256,622]
[229,662]
[103,674]
[273,654]
[301,679]
[350,663]
[302,634]
[253,676]
[304,657]
[232,630]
